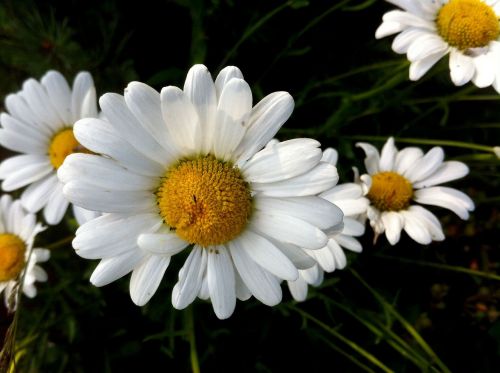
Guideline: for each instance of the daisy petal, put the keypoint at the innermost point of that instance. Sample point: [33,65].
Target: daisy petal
[146,278]
[268,256]
[393,223]
[372,158]
[447,198]
[448,171]
[289,229]
[461,67]
[221,282]
[190,278]
[161,243]
[264,286]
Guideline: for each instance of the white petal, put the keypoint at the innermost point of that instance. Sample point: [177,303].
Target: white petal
[297,255]
[325,258]
[283,161]
[425,46]
[36,97]
[430,221]
[402,42]
[298,289]
[268,256]
[406,158]
[146,278]
[199,87]
[221,282]
[486,67]
[190,278]
[415,228]
[37,194]
[352,227]
[19,109]
[96,198]
[425,166]
[461,67]
[111,234]
[330,155]
[23,168]
[98,136]
[450,170]
[289,229]
[408,19]
[23,129]
[388,155]
[388,28]
[181,119]
[233,110]
[111,269]
[393,223]
[83,215]
[349,243]
[225,75]
[56,206]
[264,286]
[420,67]
[447,198]
[338,254]
[103,172]
[126,124]
[322,177]
[22,144]
[161,243]
[314,210]
[82,84]
[242,292]
[266,119]
[59,93]
[372,157]
[145,103]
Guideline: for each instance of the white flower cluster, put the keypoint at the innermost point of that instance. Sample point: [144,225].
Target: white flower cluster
[196,170]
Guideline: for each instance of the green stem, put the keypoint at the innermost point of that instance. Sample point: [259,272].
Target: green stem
[367,355]
[195,364]
[445,267]
[457,144]
[62,242]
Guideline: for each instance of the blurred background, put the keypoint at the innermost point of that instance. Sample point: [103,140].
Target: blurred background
[407,308]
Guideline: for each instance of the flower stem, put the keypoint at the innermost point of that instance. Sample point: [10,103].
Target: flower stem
[195,365]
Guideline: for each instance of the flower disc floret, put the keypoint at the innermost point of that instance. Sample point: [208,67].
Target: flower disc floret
[466,24]
[12,251]
[390,191]
[205,200]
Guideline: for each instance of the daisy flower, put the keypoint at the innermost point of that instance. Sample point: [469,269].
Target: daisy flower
[467,30]
[39,124]
[398,179]
[184,170]
[18,259]
[349,197]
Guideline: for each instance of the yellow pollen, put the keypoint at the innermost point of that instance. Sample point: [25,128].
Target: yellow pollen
[467,24]
[12,250]
[206,201]
[62,145]
[390,191]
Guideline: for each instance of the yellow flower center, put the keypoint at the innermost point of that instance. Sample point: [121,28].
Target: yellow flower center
[390,191]
[467,24]
[62,145]
[12,250]
[206,201]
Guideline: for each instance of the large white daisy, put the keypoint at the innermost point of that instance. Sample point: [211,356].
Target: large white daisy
[349,197]
[467,30]
[398,179]
[182,170]
[39,124]
[18,259]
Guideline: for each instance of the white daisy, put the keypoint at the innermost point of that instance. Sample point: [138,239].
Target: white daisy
[398,178]
[182,169]
[40,126]
[349,197]
[467,30]
[18,259]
